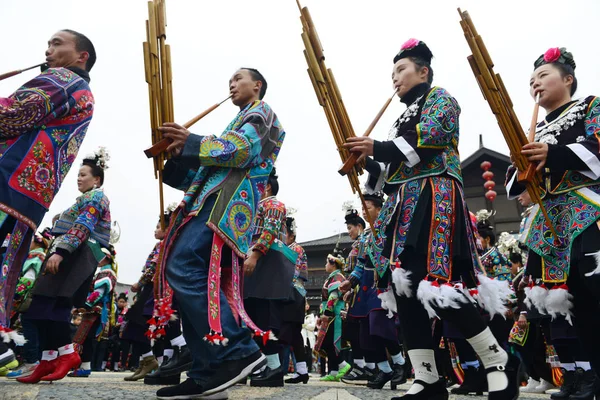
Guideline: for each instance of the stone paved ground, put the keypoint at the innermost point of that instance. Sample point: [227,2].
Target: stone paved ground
[110,386]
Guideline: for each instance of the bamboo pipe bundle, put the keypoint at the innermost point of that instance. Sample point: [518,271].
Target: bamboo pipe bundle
[495,93]
[157,65]
[329,96]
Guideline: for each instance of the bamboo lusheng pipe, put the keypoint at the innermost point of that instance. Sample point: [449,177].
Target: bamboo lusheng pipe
[157,65]
[349,164]
[495,93]
[18,71]
[329,97]
[534,119]
[162,145]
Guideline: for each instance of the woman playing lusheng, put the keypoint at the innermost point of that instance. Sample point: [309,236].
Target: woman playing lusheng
[565,269]
[423,239]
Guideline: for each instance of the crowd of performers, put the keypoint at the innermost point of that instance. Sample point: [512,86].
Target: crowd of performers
[426,293]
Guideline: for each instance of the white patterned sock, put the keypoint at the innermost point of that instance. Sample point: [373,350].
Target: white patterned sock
[66,349]
[491,355]
[423,362]
[49,355]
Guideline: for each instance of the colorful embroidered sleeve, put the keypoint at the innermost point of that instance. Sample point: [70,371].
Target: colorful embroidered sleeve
[241,147]
[436,130]
[439,122]
[587,147]
[361,259]
[31,104]
[103,283]
[273,217]
[90,208]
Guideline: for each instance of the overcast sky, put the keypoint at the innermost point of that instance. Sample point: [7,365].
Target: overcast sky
[210,40]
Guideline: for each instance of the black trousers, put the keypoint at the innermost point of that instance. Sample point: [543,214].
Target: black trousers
[53,334]
[333,359]
[586,307]
[533,353]
[352,335]
[414,320]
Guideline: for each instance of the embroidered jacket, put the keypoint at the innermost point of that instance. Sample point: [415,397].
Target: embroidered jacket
[150,266]
[301,273]
[268,224]
[573,137]
[422,152]
[358,256]
[42,126]
[331,307]
[571,179]
[426,135]
[495,265]
[88,218]
[236,165]
[331,295]
[352,258]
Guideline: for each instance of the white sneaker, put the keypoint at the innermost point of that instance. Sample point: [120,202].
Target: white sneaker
[532,384]
[543,386]
[24,371]
[224,395]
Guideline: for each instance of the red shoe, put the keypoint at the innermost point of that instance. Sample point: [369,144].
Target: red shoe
[64,364]
[44,368]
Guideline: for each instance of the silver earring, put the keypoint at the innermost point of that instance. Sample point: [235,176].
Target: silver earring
[95,187]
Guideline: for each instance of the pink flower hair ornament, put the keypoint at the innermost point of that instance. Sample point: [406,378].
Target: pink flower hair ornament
[558,55]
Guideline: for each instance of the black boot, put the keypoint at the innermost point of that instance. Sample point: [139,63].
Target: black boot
[301,378]
[399,376]
[472,384]
[156,377]
[569,386]
[267,378]
[180,362]
[379,381]
[431,391]
[588,385]
[511,392]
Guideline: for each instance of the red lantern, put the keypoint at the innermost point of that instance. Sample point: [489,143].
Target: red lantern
[488,175]
[489,185]
[491,195]
[486,165]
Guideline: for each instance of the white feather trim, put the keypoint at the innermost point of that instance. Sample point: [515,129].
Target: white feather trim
[428,295]
[450,297]
[5,336]
[558,302]
[388,302]
[17,338]
[402,282]
[225,342]
[596,255]
[536,297]
[272,336]
[493,294]
[471,295]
